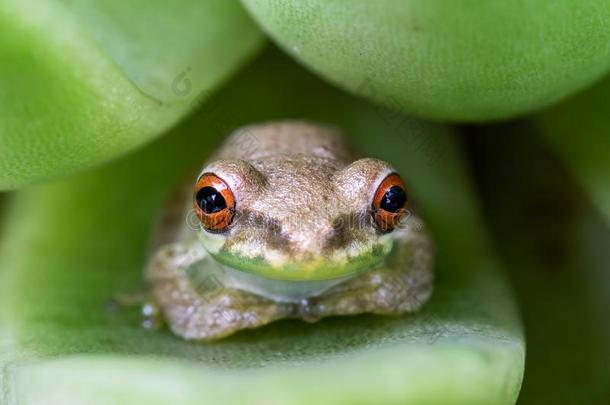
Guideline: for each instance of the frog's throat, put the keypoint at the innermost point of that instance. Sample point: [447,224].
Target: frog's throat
[278,290]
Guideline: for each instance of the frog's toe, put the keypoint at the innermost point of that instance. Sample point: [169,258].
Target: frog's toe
[223,314]
[382,291]
[203,308]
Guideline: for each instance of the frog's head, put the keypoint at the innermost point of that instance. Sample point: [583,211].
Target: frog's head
[298,217]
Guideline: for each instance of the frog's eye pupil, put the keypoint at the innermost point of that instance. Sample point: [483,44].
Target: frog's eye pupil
[210,200]
[394,199]
[214,203]
[389,203]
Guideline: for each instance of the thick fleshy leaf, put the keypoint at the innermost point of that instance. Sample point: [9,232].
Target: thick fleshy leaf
[579,131]
[556,246]
[71,246]
[84,81]
[447,59]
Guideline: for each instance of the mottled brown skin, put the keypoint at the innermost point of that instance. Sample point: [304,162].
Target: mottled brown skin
[303,242]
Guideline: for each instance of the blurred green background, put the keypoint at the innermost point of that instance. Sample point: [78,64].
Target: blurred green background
[105,105]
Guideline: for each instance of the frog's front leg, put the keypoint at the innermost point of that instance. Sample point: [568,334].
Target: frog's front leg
[188,287]
[401,285]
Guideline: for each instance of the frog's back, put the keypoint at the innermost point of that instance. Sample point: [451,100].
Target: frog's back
[261,141]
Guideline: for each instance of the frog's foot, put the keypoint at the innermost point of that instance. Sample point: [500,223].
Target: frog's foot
[206,309]
[383,291]
[402,286]
[223,313]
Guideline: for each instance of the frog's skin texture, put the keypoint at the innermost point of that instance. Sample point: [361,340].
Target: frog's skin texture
[302,243]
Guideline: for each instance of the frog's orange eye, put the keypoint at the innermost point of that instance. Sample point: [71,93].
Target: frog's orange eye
[389,203]
[214,202]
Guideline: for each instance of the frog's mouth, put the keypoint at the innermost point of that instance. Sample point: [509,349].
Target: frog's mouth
[321,268]
[277,262]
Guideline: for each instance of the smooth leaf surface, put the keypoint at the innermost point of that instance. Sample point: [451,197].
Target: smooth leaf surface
[62,259]
[578,131]
[472,60]
[82,82]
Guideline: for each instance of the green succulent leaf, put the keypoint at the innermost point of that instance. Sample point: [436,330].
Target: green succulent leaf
[578,131]
[71,246]
[472,60]
[82,82]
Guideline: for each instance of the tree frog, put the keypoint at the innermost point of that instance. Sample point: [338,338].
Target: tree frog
[285,221]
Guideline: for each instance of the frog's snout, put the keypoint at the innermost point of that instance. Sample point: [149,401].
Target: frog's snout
[335,238]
